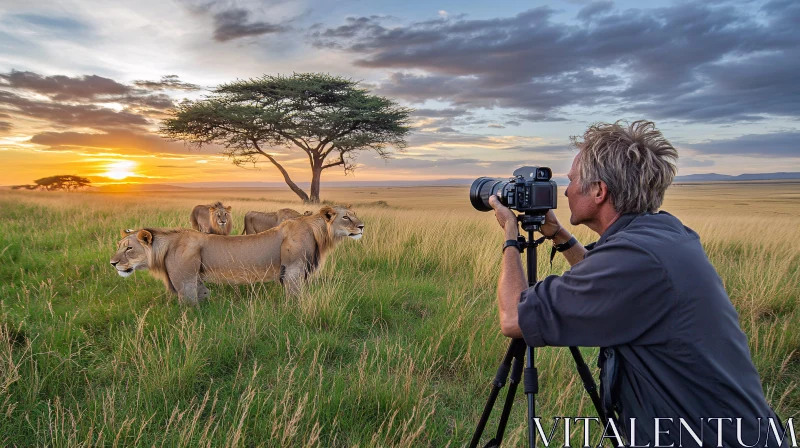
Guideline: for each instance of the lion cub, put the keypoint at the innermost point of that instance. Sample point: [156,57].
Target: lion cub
[214,218]
[184,259]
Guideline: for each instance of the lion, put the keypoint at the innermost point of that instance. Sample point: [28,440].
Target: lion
[257,222]
[214,218]
[185,259]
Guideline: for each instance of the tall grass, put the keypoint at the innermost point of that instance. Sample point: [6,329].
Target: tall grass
[393,344]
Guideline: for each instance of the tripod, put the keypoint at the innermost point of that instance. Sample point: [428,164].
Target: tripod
[517,352]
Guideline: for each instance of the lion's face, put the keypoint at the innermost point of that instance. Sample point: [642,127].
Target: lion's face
[220,215]
[343,222]
[131,255]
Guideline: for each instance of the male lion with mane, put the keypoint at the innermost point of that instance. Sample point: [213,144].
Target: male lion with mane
[214,218]
[184,259]
[257,222]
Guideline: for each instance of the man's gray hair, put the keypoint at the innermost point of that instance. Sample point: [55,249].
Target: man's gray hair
[635,161]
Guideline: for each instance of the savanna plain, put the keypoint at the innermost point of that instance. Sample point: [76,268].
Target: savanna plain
[394,343]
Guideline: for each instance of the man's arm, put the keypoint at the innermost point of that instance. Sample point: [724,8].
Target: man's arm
[509,287]
[512,277]
[619,294]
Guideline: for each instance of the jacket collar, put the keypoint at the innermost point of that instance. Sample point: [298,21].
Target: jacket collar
[618,225]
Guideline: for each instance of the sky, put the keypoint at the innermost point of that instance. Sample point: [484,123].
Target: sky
[493,85]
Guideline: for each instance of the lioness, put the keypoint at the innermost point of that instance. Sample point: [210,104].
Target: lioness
[257,222]
[214,218]
[184,259]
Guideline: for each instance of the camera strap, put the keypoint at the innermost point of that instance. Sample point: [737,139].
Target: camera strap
[561,247]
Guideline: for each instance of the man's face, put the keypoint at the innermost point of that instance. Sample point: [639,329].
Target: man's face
[582,206]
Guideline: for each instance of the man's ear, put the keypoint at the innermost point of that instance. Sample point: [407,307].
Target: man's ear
[228,208]
[328,213]
[145,237]
[601,193]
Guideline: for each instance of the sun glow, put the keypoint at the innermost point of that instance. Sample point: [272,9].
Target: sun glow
[120,170]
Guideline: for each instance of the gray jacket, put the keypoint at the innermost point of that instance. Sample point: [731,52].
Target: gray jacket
[647,291]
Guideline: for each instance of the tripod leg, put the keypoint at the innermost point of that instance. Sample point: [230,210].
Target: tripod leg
[531,389]
[516,376]
[497,384]
[588,383]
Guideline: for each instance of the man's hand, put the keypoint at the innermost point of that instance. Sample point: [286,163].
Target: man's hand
[505,217]
[551,225]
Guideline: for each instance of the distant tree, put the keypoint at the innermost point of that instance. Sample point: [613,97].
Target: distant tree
[325,116]
[53,183]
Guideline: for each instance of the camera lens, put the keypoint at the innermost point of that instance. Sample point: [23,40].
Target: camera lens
[480,191]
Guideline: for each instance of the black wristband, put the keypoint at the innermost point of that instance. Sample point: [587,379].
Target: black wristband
[553,235]
[565,246]
[510,243]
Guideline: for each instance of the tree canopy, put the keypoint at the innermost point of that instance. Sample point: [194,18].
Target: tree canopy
[67,182]
[329,118]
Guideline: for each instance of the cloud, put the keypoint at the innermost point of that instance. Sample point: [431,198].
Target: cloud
[159,101]
[496,126]
[83,101]
[114,140]
[687,162]
[414,163]
[582,88]
[5,127]
[353,27]
[536,117]
[776,144]
[235,23]
[446,129]
[594,10]
[168,82]
[436,113]
[64,88]
[75,115]
[700,62]
[95,89]
[62,27]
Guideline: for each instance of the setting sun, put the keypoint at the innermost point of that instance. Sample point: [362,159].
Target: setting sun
[120,170]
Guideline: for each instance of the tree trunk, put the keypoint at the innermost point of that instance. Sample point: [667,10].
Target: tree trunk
[297,190]
[316,174]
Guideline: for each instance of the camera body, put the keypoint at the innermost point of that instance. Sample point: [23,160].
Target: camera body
[531,190]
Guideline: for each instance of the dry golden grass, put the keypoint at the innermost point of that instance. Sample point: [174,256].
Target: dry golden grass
[394,344]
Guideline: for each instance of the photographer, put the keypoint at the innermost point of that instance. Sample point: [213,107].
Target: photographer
[646,293]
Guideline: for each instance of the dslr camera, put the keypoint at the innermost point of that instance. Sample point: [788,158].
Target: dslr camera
[531,191]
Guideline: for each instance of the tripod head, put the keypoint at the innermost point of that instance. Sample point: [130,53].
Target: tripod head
[531,222]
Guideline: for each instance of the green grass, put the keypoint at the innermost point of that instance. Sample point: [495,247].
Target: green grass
[393,344]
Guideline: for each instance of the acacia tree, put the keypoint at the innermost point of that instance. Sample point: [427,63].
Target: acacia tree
[329,118]
[67,182]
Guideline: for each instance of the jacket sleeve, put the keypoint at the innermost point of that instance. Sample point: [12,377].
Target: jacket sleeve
[618,294]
